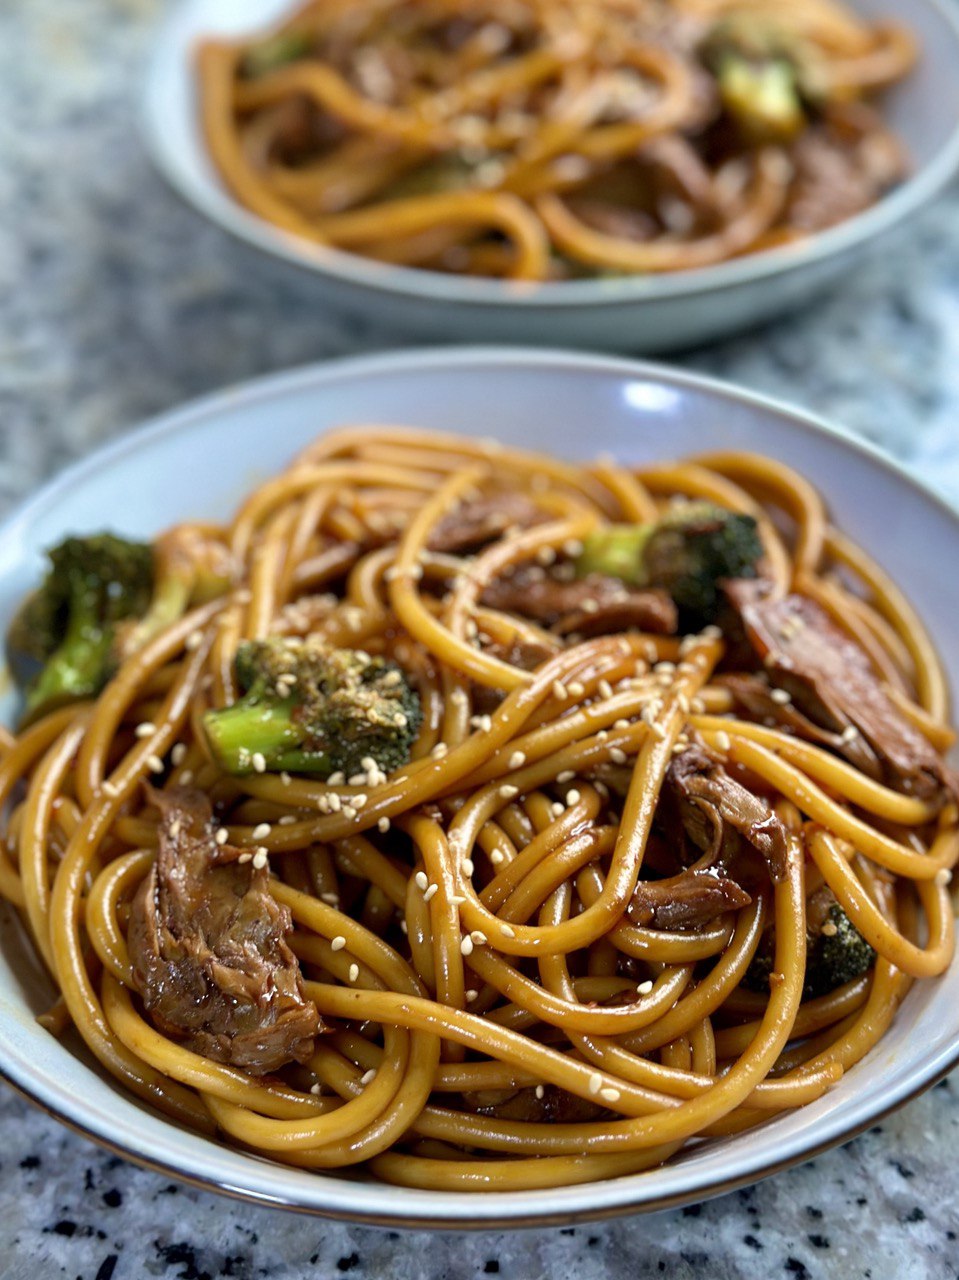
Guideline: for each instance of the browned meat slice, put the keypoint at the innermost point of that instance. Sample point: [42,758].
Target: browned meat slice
[556,1106]
[208,947]
[686,901]
[594,605]
[472,525]
[831,684]
[716,813]
[842,167]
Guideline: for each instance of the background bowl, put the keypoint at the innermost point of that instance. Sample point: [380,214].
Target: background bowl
[634,313]
[199,462]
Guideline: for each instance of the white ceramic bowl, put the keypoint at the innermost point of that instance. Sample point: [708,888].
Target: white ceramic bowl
[639,314]
[200,460]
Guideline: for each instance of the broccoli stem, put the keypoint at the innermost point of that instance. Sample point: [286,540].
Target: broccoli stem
[255,726]
[617,550]
[762,98]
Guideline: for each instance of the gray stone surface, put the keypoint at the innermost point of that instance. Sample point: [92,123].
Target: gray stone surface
[117,302]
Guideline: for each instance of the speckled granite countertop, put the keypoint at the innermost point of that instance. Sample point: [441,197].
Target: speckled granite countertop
[117,302]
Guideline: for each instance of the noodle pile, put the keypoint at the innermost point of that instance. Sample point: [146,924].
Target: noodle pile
[554,139]
[462,923]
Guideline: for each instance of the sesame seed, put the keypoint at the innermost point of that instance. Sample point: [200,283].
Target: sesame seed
[546,556]
[348,811]
[849,734]
[644,988]
[517,760]
[540,1091]
[186,777]
[479,938]
[258,760]
[222,835]
[368,1076]
[331,899]
[617,755]
[430,892]
[723,740]
[354,972]
[145,729]
[605,689]
[336,779]
[357,779]
[459,696]
[359,800]
[780,696]
[576,689]
[287,820]
[468,867]
[573,797]
[421,880]
[285,778]
[260,859]
[496,857]
[485,723]
[829,930]
[193,640]
[316,1088]
[245,857]
[610,1095]
[942,876]
[261,831]
[471,993]
[567,775]
[507,792]
[155,764]
[595,1082]
[383,824]
[559,691]
[711,633]
[332,801]
[338,943]
[557,808]
[178,754]
[439,751]
[509,931]
[466,946]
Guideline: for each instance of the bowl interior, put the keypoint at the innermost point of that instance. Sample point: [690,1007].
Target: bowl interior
[924,111]
[201,460]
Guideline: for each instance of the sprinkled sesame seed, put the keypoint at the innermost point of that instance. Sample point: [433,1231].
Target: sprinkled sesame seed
[723,740]
[471,993]
[110,789]
[621,724]
[430,892]
[260,858]
[245,857]
[404,927]
[576,689]
[357,779]
[507,791]
[610,1095]
[711,633]
[573,797]
[479,938]
[567,775]
[546,556]
[155,764]
[540,1091]
[332,802]
[595,1082]
[829,930]
[354,972]
[557,808]
[617,755]
[943,876]
[605,689]
[517,759]
[644,988]
[336,779]
[509,931]
[287,820]
[368,1076]
[258,761]
[468,867]
[261,831]
[338,943]
[383,824]
[285,778]
[193,640]
[186,777]
[178,754]
[780,696]
[421,880]
[348,811]
[850,733]
[145,729]
[485,723]
[459,696]
[331,899]
[439,751]
[466,946]
[316,1088]
[222,835]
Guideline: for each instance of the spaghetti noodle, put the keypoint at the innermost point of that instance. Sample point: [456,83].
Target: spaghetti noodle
[554,139]
[580,926]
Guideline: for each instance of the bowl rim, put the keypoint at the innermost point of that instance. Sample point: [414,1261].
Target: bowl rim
[397,1206]
[212,199]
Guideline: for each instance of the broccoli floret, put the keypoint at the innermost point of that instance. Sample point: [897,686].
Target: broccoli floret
[310,708]
[68,626]
[836,952]
[275,51]
[757,66]
[688,552]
